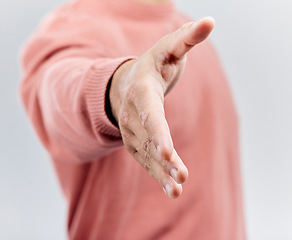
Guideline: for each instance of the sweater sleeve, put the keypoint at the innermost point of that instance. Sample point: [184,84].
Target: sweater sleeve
[63,90]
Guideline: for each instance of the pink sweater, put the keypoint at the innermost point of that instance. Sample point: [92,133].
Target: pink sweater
[66,67]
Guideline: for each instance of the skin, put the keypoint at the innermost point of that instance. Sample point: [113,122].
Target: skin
[137,96]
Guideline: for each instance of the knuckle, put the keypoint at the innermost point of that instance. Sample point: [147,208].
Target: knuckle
[146,144]
[137,90]
[131,93]
[144,118]
[124,118]
[155,114]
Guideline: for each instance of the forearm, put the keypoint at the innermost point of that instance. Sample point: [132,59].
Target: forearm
[69,107]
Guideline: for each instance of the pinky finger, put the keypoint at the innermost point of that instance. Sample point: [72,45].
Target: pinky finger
[170,187]
[167,183]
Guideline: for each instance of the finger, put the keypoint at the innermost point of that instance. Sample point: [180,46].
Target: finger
[136,138]
[156,170]
[170,187]
[134,124]
[175,45]
[149,107]
[136,135]
[146,98]
[176,168]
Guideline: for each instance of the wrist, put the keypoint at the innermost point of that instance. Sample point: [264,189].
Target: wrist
[114,87]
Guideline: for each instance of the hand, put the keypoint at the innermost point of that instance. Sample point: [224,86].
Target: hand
[137,96]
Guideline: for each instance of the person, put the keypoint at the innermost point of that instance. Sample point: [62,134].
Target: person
[110,85]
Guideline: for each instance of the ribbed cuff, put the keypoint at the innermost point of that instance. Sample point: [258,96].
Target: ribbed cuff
[95,87]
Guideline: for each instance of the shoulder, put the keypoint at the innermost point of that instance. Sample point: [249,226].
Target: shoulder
[70,26]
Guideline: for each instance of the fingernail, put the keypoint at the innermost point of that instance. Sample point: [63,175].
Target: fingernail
[173,173]
[167,189]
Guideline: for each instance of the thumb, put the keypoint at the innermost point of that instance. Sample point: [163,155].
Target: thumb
[178,43]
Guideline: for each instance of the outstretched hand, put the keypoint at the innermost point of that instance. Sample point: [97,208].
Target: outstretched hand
[137,100]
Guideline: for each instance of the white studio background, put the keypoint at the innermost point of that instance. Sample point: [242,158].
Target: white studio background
[31,204]
[253,39]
